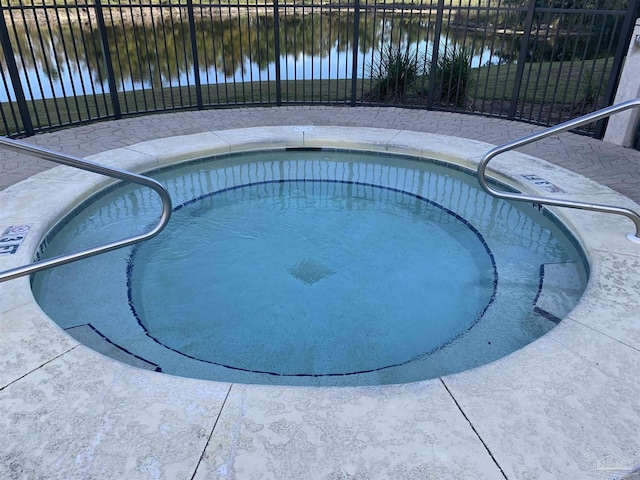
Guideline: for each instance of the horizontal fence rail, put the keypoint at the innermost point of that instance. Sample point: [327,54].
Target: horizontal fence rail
[65,62]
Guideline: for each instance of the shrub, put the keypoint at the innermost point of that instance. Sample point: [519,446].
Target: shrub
[589,90]
[394,74]
[453,77]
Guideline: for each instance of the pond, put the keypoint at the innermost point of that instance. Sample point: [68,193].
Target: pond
[64,56]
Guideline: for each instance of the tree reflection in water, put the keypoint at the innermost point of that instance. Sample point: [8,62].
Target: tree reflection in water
[155,51]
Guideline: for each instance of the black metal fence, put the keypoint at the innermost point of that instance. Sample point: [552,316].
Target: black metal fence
[541,61]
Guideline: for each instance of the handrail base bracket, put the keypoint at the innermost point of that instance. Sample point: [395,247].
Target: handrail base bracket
[633,238]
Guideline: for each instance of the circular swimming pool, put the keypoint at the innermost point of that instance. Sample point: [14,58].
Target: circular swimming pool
[313,267]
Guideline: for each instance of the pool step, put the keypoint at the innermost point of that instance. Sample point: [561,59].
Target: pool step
[559,285]
[90,336]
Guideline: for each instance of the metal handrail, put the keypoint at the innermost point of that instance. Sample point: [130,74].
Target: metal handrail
[562,127]
[82,164]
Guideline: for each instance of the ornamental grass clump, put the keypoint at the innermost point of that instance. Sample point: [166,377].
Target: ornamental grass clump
[453,77]
[395,73]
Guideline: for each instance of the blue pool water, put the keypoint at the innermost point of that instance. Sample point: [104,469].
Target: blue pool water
[313,268]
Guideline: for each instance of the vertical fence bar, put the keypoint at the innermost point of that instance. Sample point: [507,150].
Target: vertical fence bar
[329,59]
[421,60]
[134,61]
[14,76]
[232,55]
[322,35]
[174,39]
[534,73]
[194,50]
[304,54]
[25,70]
[313,49]
[392,79]
[210,61]
[434,56]
[366,39]
[522,58]
[106,55]
[162,54]
[292,33]
[93,47]
[239,59]
[88,90]
[577,21]
[626,33]
[155,32]
[120,60]
[11,114]
[222,56]
[276,50]
[249,55]
[51,64]
[575,101]
[345,97]
[354,61]
[559,49]
[65,60]
[378,19]
[508,45]
[593,76]
[140,62]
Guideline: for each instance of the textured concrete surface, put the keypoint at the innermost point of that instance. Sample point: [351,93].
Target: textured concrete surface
[566,406]
[603,162]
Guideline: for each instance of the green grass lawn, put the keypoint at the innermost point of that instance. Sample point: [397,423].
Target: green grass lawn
[61,111]
[541,80]
[544,82]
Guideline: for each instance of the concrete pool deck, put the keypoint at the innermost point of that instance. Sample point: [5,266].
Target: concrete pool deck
[566,406]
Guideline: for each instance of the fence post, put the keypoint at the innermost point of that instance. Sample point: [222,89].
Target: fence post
[434,56]
[194,52]
[356,41]
[621,127]
[106,56]
[13,74]
[276,49]
[522,58]
[618,62]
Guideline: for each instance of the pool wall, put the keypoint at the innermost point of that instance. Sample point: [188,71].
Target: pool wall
[565,406]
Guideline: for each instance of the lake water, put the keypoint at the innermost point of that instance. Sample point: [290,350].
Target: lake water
[65,58]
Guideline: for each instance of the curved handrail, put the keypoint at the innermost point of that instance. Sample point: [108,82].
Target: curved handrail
[562,127]
[46,154]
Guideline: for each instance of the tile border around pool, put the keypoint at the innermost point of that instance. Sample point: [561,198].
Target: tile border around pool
[557,408]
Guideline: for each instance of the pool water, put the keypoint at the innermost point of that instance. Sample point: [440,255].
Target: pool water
[313,268]
[311,278]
